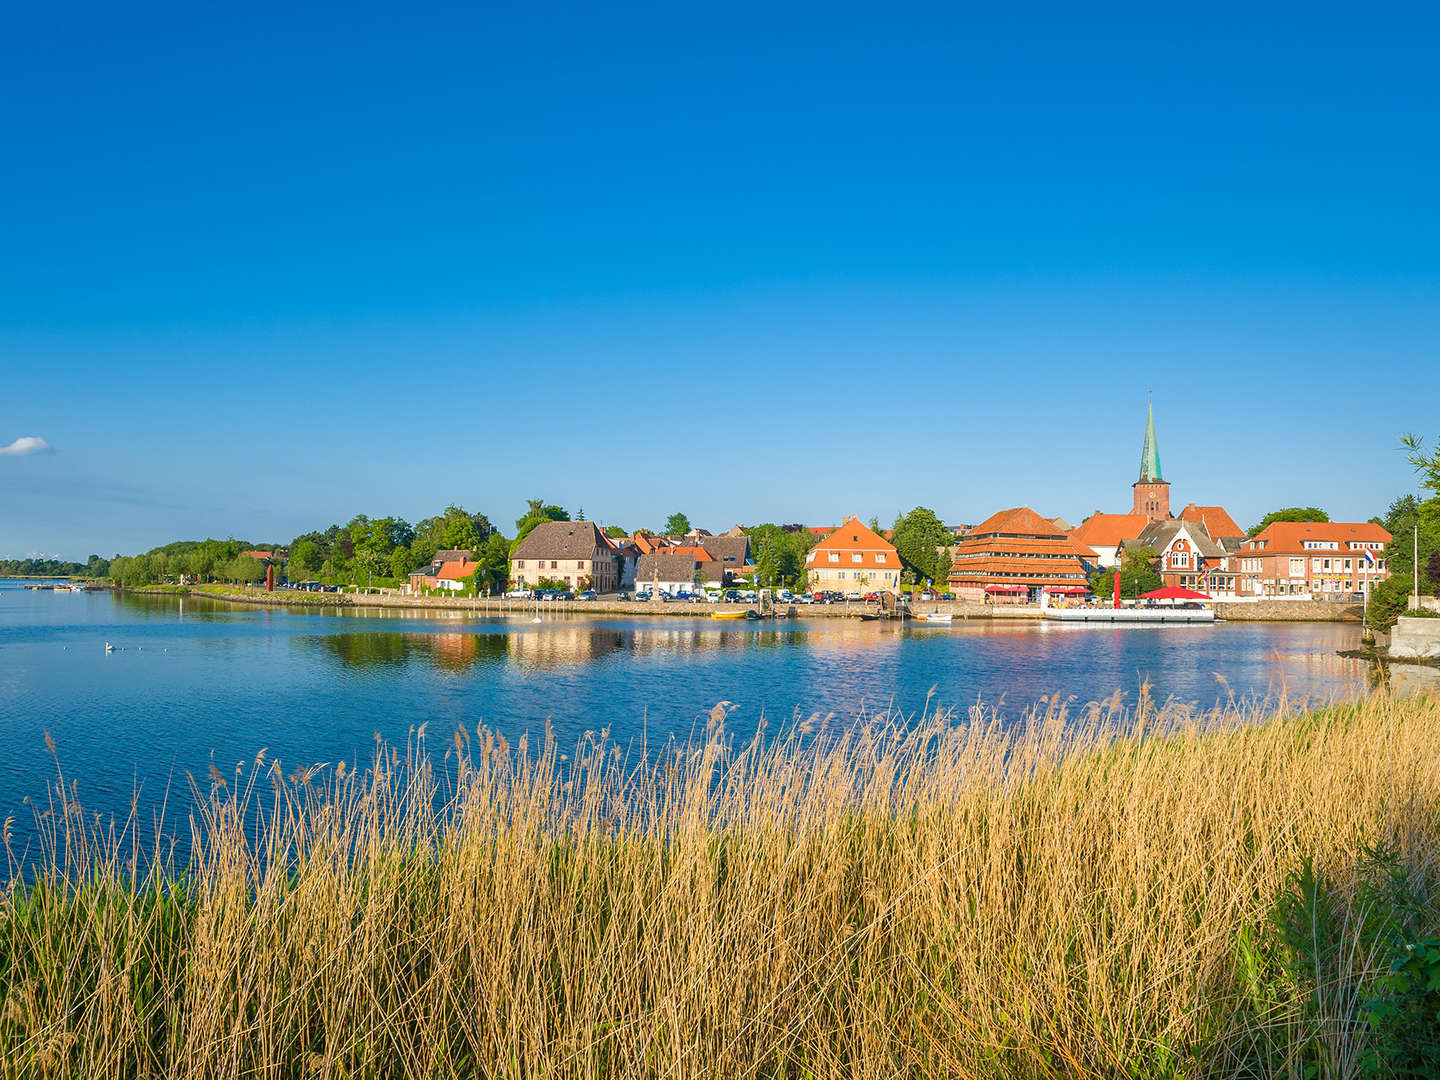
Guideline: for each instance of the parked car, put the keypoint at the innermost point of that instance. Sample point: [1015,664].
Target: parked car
[732,596]
[872,597]
[518,594]
[587,594]
[803,598]
[927,595]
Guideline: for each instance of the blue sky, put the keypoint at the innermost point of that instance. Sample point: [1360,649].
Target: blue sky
[264,270]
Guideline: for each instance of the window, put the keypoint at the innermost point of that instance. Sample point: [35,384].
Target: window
[879,558]
[841,575]
[857,557]
[1179,560]
[834,556]
[519,564]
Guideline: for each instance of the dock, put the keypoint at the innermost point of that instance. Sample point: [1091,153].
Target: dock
[1132,615]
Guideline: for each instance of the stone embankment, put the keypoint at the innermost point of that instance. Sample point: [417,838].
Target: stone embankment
[1415,638]
[1289,611]
[1261,611]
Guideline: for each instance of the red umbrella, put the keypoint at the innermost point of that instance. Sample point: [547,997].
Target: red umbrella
[1174,592]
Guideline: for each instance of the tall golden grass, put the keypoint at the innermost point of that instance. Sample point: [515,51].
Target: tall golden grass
[952,898]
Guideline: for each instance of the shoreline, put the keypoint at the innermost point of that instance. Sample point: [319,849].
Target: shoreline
[1263,611]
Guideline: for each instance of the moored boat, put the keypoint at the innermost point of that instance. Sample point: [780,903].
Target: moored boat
[727,614]
[935,617]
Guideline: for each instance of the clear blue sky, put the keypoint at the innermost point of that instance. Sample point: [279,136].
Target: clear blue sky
[754,266]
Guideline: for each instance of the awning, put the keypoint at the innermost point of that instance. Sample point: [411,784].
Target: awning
[1067,590]
[1006,588]
[1174,592]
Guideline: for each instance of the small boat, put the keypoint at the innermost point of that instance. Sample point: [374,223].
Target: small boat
[753,614]
[935,617]
[728,614]
[870,616]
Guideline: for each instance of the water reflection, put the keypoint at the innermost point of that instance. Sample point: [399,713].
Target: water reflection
[382,648]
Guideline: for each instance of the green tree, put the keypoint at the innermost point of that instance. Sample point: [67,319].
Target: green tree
[1412,522]
[305,560]
[494,570]
[537,513]
[401,562]
[919,537]
[677,524]
[1138,574]
[615,532]
[1289,513]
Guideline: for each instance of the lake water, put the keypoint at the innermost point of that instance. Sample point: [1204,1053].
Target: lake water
[190,679]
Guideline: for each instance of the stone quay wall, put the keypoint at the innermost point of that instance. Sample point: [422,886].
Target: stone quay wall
[1415,638]
[1256,611]
[1289,611]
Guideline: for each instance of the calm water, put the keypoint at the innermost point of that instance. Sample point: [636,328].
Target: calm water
[194,678]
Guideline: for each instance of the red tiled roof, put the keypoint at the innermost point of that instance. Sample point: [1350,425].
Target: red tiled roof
[822,530]
[1020,520]
[454,571]
[256,554]
[1107,530]
[851,538]
[1288,537]
[1217,522]
[699,554]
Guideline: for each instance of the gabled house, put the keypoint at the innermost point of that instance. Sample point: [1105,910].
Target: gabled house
[447,571]
[728,556]
[666,572]
[1189,558]
[575,553]
[853,558]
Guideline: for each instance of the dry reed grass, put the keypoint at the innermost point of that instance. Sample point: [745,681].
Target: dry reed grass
[950,898]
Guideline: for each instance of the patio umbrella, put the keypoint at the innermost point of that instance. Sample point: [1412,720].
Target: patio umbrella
[1174,592]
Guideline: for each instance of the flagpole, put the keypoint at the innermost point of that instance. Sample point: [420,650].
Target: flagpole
[1416,568]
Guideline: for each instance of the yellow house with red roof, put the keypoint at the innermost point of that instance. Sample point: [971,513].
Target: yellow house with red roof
[853,558]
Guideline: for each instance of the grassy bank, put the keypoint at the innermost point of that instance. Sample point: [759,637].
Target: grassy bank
[1228,896]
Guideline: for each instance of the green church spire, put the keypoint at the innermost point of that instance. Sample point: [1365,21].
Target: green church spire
[1150,455]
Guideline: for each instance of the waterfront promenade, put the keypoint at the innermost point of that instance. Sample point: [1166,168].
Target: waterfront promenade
[1277,610]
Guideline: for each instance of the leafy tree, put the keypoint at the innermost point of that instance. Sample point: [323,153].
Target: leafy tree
[919,537]
[1289,513]
[537,513]
[779,554]
[494,570]
[305,560]
[1412,522]
[401,562]
[677,524]
[1138,574]
[615,532]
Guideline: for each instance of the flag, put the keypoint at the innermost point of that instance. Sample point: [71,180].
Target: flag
[1369,557]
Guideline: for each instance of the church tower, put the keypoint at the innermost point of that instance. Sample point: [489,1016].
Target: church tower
[1152,491]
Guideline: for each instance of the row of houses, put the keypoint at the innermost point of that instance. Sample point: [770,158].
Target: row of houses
[579,555]
[1015,555]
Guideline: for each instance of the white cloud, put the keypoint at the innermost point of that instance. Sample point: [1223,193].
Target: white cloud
[26,444]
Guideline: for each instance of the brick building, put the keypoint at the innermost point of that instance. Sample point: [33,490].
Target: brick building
[1310,558]
[1017,554]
